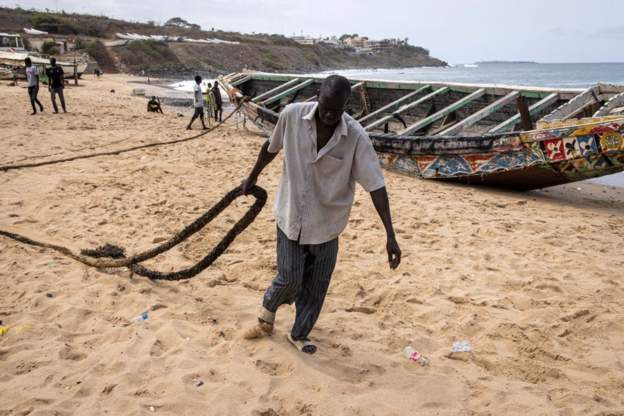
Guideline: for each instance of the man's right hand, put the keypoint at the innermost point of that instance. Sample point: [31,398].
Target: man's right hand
[248,184]
[264,158]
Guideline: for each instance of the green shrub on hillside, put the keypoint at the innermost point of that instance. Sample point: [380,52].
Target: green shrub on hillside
[149,55]
[52,24]
[97,50]
[49,48]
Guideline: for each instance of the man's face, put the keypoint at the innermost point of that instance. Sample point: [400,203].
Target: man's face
[331,107]
[28,63]
[53,62]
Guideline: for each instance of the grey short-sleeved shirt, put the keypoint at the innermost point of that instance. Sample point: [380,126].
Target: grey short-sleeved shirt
[316,191]
[31,75]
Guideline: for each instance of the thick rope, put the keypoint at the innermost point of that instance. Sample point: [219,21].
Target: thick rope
[110,256]
[117,152]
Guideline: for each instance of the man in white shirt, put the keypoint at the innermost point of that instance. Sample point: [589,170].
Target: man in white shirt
[198,103]
[32,77]
[325,152]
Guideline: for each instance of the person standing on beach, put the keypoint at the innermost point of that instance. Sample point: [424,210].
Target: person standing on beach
[325,152]
[218,111]
[198,103]
[32,76]
[56,84]
[210,104]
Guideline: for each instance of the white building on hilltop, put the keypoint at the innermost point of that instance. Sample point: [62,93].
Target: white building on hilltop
[305,40]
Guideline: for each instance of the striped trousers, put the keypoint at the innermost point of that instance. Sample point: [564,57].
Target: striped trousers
[303,275]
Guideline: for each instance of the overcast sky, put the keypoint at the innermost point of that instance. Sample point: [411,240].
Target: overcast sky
[458,31]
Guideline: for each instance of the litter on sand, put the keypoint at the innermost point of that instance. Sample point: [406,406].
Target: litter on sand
[461,346]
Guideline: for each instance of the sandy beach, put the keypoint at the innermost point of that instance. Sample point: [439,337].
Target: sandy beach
[533,280]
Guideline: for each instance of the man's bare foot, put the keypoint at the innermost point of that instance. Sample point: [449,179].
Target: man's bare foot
[259,330]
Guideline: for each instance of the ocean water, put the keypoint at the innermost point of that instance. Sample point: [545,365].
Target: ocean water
[187,86]
[526,74]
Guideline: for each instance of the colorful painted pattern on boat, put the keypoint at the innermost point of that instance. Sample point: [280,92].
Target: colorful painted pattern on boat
[579,149]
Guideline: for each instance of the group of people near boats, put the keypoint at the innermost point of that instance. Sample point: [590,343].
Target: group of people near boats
[56,84]
[207,105]
[209,102]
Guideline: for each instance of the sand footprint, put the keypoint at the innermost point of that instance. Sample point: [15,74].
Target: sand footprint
[159,348]
[273,369]
[67,353]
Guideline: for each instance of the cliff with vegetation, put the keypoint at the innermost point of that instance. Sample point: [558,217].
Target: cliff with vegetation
[263,52]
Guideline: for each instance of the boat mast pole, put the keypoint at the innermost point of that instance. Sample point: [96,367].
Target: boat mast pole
[75,69]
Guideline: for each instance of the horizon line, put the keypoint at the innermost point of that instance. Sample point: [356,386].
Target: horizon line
[519,61]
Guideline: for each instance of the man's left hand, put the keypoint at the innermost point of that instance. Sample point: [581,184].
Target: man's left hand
[394,253]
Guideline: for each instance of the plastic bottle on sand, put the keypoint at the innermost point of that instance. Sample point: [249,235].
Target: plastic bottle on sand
[413,355]
[141,318]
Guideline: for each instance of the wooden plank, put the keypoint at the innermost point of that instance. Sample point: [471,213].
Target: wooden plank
[229,76]
[580,110]
[288,92]
[480,115]
[575,106]
[365,100]
[237,76]
[275,90]
[358,85]
[525,115]
[408,106]
[535,108]
[610,88]
[240,81]
[394,104]
[612,104]
[443,113]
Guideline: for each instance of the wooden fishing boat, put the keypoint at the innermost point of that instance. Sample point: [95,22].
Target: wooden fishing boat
[15,62]
[514,137]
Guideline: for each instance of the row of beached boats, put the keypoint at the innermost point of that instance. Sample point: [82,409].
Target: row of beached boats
[513,137]
[168,38]
[12,64]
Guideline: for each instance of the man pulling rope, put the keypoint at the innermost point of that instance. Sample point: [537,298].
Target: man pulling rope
[325,152]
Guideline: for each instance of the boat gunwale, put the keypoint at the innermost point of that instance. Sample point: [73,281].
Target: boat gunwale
[475,136]
[491,89]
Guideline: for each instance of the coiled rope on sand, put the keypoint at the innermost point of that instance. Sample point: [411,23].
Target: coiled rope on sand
[111,256]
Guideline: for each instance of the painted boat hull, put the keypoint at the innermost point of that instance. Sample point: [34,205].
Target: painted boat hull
[530,160]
